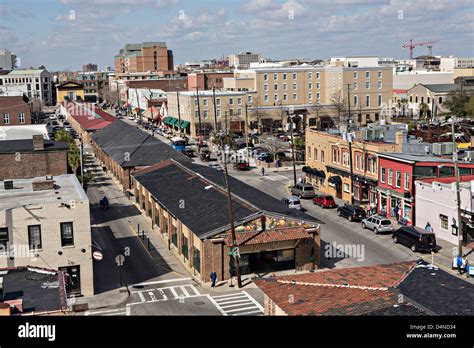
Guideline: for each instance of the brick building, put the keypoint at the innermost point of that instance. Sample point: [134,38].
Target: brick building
[27,158]
[178,198]
[147,56]
[207,80]
[14,110]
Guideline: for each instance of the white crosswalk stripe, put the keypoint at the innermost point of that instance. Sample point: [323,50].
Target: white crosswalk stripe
[109,312]
[237,304]
[166,293]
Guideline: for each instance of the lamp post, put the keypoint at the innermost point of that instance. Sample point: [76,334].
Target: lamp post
[291,111]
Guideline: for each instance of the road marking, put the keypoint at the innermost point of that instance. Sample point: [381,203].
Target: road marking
[127,310]
[215,304]
[259,311]
[173,291]
[253,300]
[141,296]
[236,304]
[229,302]
[152,295]
[186,293]
[219,296]
[239,309]
[162,293]
[162,281]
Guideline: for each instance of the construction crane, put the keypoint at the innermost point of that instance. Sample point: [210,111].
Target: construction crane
[412,45]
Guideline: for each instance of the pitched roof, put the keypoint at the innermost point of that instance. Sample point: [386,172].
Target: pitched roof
[131,147]
[192,199]
[372,290]
[268,236]
[26,145]
[444,87]
[88,118]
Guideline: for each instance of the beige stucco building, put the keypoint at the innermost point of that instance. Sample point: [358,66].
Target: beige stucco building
[45,222]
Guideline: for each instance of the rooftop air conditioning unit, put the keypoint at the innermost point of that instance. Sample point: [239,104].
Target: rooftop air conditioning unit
[8,184]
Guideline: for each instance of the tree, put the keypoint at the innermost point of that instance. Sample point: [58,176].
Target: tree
[300,143]
[73,153]
[469,107]
[337,99]
[457,103]
[274,145]
[424,108]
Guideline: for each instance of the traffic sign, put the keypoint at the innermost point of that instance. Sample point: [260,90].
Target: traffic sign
[234,252]
[97,255]
[120,259]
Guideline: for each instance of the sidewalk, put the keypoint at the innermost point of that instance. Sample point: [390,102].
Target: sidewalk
[113,298]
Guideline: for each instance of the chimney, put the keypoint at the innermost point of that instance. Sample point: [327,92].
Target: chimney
[38,142]
[43,184]
[399,138]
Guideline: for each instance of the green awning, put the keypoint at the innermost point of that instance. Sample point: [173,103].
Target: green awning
[168,120]
[173,121]
[184,124]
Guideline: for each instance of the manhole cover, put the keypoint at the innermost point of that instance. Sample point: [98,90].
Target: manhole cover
[199,303]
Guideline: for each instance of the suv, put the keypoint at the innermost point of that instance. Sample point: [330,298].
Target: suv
[324,201]
[292,202]
[377,224]
[416,238]
[351,212]
[303,190]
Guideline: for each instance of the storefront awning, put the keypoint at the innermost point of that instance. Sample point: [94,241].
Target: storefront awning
[336,179]
[174,122]
[406,196]
[167,119]
[184,124]
[363,179]
[338,171]
[314,171]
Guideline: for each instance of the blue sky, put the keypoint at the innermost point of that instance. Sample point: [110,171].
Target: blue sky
[64,34]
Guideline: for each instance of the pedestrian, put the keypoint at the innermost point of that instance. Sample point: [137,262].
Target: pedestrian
[428,227]
[213,279]
[263,171]
[397,212]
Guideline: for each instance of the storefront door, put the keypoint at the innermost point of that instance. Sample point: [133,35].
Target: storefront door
[72,279]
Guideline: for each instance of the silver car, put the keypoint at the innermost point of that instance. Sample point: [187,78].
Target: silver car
[303,190]
[377,224]
[292,202]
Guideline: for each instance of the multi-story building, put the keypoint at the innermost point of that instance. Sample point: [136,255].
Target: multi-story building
[436,204]
[69,91]
[229,106]
[34,83]
[7,60]
[96,85]
[242,60]
[311,91]
[89,67]
[207,80]
[147,56]
[45,222]
[14,111]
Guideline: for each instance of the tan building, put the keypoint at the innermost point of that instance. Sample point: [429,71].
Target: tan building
[147,56]
[45,222]
[229,107]
[311,90]
[328,164]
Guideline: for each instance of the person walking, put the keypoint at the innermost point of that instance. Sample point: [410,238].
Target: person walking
[263,171]
[428,227]
[396,210]
[213,279]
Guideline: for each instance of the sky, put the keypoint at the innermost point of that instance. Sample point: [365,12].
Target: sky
[65,34]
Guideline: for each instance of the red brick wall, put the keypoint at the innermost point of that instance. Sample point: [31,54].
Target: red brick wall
[29,165]
[13,106]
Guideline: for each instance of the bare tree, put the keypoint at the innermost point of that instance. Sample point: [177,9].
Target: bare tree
[337,99]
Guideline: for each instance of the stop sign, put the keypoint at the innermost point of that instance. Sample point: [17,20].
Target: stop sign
[97,255]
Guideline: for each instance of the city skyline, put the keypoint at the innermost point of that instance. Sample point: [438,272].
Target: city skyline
[65,34]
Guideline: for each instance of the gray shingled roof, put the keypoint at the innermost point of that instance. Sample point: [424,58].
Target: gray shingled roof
[26,145]
[131,147]
[443,87]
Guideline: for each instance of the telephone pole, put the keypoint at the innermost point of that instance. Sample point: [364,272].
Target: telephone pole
[458,191]
[215,106]
[349,139]
[179,110]
[247,131]
[292,145]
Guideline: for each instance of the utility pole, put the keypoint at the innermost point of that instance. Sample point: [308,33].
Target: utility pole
[138,103]
[230,213]
[215,106]
[199,110]
[292,146]
[349,139]
[458,192]
[349,106]
[247,131]
[179,110]
[81,153]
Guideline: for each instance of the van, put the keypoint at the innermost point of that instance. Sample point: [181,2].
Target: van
[303,190]
[415,238]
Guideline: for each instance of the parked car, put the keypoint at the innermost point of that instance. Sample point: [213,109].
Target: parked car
[53,117]
[131,118]
[293,202]
[324,201]
[303,190]
[351,212]
[216,166]
[377,224]
[415,238]
[188,151]
[264,157]
[242,166]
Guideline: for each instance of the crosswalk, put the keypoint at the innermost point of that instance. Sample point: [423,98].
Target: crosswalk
[237,304]
[110,312]
[176,292]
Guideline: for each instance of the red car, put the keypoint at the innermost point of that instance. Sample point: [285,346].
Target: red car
[324,201]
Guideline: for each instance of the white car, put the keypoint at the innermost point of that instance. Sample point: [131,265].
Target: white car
[293,202]
[216,166]
[53,117]
[131,118]
[378,224]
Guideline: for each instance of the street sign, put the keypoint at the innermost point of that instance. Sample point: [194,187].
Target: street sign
[97,255]
[120,259]
[234,252]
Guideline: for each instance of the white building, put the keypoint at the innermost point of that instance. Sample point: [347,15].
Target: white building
[408,79]
[141,97]
[450,63]
[8,60]
[45,222]
[34,83]
[242,60]
[356,62]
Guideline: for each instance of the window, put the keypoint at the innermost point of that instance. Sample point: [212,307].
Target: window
[294,86]
[315,154]
[285,97]
[265,77]
[231,112]
[218,112]
[356,100]
[204,102]
[422,99]
[310,96]
[380,100]
[239,101]
[335,155]
[310,76]
[355,75]
[367,74]
[196,114]
[322,156]
[318,96]
[443,222]
[21,117]
[294,76]
[266,97]
[390,177]
[239,112]
[206,113]
[4,238]
[275,87]
[379,74]
[382,174]
[310,85]
[276,97]
[416,99]
[318,85]
[406,182]
[67,237]
[345,158]
[250,99]
[6,118]
[218,102]
[195,102]
[398,182]
[285,86]
[317,76]
[295,97]
[356,86]
[429,100]
[265,87]
[379,84]
[284,76]
[367,100]
[440,100]
[411,99]
[231,101]
[347,188]
[275,77]
[367,84]
[34,237]
[309,151]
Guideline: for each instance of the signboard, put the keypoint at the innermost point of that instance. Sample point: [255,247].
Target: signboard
[234,252]
[97,255]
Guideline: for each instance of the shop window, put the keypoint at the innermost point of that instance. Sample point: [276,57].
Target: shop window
[383,204]
[67,235]
[407,212]
[443,222]
[184,248]
[197,260]
[3,238]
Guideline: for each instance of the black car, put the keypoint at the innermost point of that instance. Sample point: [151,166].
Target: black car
[415,238]
[351,212]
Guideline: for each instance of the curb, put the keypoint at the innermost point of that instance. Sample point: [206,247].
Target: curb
[118,303]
